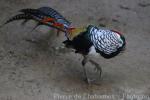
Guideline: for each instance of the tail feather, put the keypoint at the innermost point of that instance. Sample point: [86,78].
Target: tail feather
[33,14]
[18,17]
[29,11]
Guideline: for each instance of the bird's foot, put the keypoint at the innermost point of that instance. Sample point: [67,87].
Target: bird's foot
[85,60]
[97,67]
[89,81]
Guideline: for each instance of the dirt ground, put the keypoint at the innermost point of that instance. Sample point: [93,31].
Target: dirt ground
[43,71]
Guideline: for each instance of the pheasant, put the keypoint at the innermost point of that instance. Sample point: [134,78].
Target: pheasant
[85,40]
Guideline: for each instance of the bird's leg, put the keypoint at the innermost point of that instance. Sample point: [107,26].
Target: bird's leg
[97,67]
[84,61]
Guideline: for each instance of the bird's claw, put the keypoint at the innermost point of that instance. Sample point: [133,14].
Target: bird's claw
[97,67]
[84,61]
[89,81]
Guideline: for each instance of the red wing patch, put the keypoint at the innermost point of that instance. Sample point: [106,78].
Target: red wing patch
[45,20]
[116,32]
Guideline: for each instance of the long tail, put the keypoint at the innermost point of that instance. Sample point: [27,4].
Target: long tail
[28,10]
[27,15]
[34,14]
[18,17]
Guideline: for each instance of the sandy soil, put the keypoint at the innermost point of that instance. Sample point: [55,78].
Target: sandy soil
[41,71]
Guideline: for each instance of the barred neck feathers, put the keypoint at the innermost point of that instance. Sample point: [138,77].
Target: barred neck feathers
[75,32]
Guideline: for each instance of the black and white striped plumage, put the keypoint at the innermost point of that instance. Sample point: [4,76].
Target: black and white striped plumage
[94,40]
[105,42]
